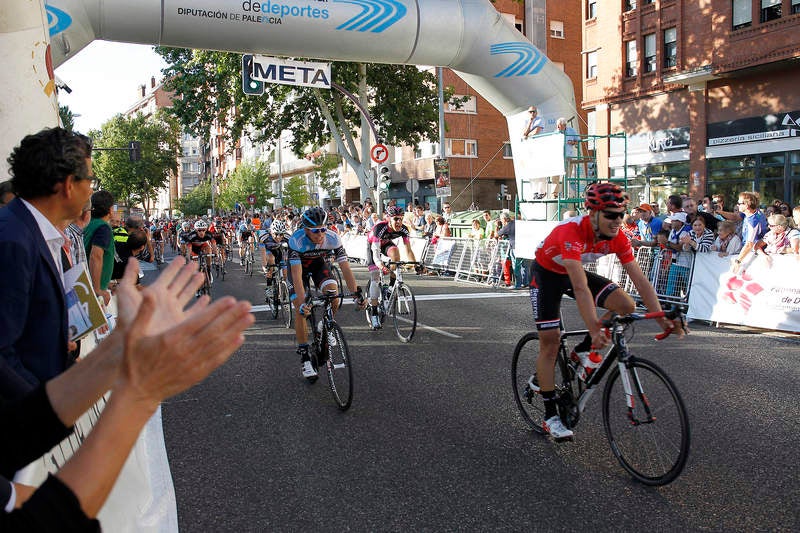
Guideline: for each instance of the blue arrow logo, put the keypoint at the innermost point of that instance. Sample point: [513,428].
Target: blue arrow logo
[375,16]
[57,20]
[529,59]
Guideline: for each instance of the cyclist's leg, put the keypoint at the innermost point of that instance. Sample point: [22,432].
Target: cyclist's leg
[300,332]
[394,254]
[607,295]
[324,280]
[546,296]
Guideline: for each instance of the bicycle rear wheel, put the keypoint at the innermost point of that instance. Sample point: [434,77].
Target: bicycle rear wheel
[340,372]
[523,381]
[404,312]
[286,305]
[649,430]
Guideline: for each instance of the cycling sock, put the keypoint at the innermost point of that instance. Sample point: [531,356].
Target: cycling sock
[550,408]
[585,345]
[302,349]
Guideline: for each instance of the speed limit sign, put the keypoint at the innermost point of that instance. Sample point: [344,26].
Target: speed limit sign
[379,153]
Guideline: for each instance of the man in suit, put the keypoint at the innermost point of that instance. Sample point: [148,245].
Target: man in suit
[52,177]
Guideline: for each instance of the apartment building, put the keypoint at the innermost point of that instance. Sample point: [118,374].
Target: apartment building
[706,93]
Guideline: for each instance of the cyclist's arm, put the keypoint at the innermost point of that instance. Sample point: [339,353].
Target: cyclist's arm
[583,297]
[648,294]
[376,254]
[299,289]
[349,278]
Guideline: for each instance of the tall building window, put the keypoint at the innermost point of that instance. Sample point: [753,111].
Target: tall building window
[795,6]
[742,13]
[770,10]
[557,29]
[670,47]
[507,153]
[631,61]
[650,52]
[630,5]
[591,65]
[591,9]
[462,148]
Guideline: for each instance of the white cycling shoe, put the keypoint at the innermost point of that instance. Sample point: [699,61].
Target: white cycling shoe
[556,428]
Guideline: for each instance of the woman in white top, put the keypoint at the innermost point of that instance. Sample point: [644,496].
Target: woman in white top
[728,242]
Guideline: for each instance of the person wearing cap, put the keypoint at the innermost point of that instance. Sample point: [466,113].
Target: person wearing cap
[534,126]
[682,261]
[649,226]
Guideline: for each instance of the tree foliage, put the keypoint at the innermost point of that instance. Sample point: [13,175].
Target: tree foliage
[295,193]
[67,117]
[329,180]
[137,182]
[197,202]
[401,99]
[248,178]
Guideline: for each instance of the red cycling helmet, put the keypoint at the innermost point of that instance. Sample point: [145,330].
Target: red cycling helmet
[604,195]
[394,211]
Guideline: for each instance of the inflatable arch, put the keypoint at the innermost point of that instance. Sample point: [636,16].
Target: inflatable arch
[467,36]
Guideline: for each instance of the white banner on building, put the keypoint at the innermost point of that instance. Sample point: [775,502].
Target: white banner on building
[765,293]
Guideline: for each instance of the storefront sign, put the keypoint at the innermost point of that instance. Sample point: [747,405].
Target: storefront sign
[773,126]
[652,142]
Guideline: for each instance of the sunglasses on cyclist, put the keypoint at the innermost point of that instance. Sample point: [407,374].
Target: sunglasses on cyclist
[613,215]
[397,219]
[317,230]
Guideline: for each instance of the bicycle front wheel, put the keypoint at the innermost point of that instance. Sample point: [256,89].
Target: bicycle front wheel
[404,312]
[275,303]
[340,372]
[646,422]
[286,305]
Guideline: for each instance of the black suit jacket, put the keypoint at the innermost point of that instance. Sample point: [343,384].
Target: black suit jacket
[33,314]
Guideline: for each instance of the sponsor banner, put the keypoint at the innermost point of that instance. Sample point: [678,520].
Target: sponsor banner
[764,294]
[442,170]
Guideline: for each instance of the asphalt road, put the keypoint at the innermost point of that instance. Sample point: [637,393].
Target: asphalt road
[433,441]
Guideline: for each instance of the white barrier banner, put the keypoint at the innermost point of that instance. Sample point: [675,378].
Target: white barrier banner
[765,293]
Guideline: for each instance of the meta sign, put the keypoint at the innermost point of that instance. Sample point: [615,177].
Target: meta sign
[257,70]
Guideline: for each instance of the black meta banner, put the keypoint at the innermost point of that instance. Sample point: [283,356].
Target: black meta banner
[772,126]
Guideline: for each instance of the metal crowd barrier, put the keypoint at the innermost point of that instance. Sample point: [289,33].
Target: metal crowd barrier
[469,260]
[669,272]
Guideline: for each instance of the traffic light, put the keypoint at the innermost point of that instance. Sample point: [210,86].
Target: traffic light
[135,150]
[384,177]
[503,190]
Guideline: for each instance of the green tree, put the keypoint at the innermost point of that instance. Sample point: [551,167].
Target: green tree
[295,193]
[67,117]
[247,179]
[401,99]
[197,202]
[137,182]
[326,165]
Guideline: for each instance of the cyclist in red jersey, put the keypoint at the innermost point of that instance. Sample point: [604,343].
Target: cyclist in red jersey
[558,270]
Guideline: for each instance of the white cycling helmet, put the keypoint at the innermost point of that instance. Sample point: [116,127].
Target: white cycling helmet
[186,226]
[200,224]
[278,227]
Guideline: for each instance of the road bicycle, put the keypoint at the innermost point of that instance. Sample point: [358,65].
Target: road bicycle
[202,266]
[329,347]
[644,417]
[158,253]
[219,266]
[248,259]
[276,293]
[396,299]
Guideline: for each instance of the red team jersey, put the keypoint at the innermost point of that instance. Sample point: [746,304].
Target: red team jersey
[574,239]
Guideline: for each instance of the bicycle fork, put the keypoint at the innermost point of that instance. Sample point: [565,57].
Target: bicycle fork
[625,374]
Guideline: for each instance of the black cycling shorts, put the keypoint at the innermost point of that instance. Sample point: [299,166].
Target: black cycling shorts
[385,247]
[548,287]
[318,270]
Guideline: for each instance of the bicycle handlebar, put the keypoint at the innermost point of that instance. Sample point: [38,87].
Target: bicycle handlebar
[672,314]
[402,263]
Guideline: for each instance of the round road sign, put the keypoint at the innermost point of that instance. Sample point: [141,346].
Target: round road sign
[251,200]
[379,153]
